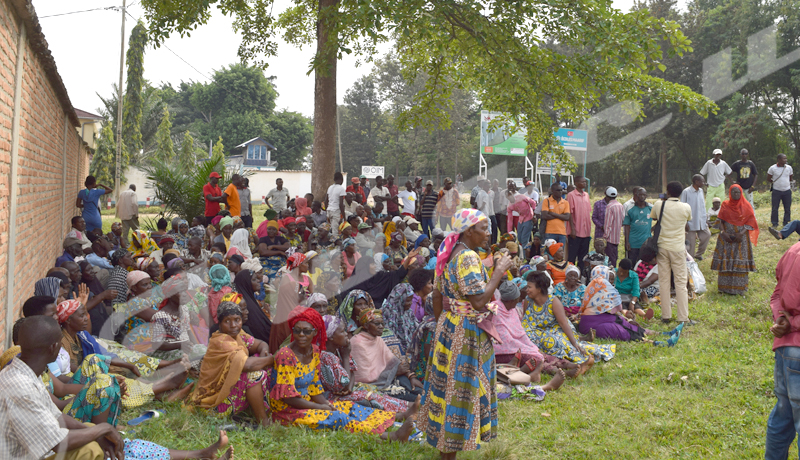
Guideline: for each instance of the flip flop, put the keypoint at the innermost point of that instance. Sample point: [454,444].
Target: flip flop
[147,415]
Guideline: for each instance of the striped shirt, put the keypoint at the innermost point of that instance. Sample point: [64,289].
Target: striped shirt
[429,205]
[615,213]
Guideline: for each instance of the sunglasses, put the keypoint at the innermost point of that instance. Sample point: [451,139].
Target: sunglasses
[305,332]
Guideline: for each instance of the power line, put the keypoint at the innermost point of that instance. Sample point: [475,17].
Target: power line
[82,11]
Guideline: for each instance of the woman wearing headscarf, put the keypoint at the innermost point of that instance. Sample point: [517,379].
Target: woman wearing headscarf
[181,233]
[122,262]
[570,292]
[57,287]
[337,368]
[241,241]
[234,363]
[297,395]
[461,342]
[378,284]
[142,245]
[272,249]
[170,327]
[294,288]
[733,256]
[226,231]
[220,287]
[349,256]
[557,266]
[322,241]
[397,246]
[302,207]
[131,319]
[422,341]
[246,284]
[398,316]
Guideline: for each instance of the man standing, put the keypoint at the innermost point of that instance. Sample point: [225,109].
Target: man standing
[580,222]
[698,226]
[279,197]
[780,176]
[358,191]
[212,194]
[379,193]
[247,205]
[530,190]
[365,186]
[599,216]
[746,174]
[672,253]
[128,212]
[409,197]
[715,171]
[637,224]
[485,203]
[231,196]
[335,199]
[418,190]
[392,205]
[448,203]
[612,227]
[783,420]
[427,208]
[509,197]
[524,206]
[555,211]
[473,195]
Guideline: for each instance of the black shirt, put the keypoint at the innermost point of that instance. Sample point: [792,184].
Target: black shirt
[745,173]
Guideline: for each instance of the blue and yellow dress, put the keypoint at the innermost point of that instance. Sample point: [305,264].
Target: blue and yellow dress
[293,379]
[459,402]
[544,331]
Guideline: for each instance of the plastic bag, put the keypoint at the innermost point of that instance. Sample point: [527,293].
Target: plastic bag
[697,277]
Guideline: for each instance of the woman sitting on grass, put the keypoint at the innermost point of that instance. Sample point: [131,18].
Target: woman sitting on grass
[557,266]
[233,375]
[297,395]
[570,292]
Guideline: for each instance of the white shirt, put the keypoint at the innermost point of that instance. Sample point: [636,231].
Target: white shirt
[534,194]
[128,206]
[780,177]
[278,198]
[696,200]
[334,192]
[409,201]
[715,173]
[485,203]
[377,191]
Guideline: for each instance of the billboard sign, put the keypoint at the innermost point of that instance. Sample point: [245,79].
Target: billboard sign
[372,171]
[498,141]
[572,139]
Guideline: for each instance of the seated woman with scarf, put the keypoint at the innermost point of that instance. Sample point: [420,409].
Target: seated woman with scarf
[233,375]
[131,319]
[293,290]
[170,325]
[272,249]
[378,366]
[221,286]
[602,312]
[557,266]
[570,292]
[337,368]
[86,363]
[297,397]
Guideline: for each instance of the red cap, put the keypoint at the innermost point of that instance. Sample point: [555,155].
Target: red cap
[214,174]
[355,180]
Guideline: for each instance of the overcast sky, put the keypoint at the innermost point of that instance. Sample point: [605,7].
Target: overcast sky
[86,47]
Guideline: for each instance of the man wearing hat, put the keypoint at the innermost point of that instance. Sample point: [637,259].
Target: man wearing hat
[358,191]
[698,225]
[73,251]
[213,197]
[427,208]
[715,171]
[612,225]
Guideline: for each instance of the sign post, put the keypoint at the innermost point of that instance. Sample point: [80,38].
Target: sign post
[372,171]
[574,139]
[499,142]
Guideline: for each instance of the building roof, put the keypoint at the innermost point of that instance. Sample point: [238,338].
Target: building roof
[26,12]
[246,143]
[84,114]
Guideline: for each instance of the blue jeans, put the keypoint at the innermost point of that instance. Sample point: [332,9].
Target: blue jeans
[784,421]
[791,227]
[427,226]
[553,236]
[524,232]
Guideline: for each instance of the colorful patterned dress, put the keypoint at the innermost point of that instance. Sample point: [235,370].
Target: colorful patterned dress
[293,379]
[544,331]
[237,399]
[132,331]
[733,260]
[459,401]
[335,380]
[572,300]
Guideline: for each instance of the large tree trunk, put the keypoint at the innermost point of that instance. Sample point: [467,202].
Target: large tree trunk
[323,163]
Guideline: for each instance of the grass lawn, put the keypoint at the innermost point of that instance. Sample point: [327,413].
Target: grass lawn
[708,397]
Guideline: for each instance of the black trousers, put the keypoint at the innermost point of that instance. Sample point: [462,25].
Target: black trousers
[578,248]
[784,197]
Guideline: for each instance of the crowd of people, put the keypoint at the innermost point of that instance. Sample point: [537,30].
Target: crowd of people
[366,309]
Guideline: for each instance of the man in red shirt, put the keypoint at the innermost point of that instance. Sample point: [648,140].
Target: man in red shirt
[392,207]
[213,196]
[358,190]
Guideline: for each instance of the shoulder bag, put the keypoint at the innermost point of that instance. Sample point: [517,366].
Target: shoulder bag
[652,242]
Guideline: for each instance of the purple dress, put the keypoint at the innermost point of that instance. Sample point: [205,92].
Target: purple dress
[610,326]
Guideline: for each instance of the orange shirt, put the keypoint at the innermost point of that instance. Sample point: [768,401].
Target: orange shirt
[556,226]
[234,205]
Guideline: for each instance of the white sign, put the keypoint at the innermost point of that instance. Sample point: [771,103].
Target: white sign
[372,171]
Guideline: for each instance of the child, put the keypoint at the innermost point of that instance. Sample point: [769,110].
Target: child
[364,239]
[595,258]
[712,215]
[627,283]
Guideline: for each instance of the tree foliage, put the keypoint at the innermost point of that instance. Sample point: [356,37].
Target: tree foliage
[165,151]
[104,159]
[132,107]
[187,155]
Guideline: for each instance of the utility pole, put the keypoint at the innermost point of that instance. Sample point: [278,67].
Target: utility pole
[120,95]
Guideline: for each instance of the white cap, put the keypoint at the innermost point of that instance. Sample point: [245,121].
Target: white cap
[717,152]
[612,192]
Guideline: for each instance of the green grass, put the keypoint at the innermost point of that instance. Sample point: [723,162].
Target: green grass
[628,408]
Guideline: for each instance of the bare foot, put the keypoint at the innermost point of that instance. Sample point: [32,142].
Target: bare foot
[584,368]
[228,455]
[164,364]
[404,432]
[412,410]
[211,451]
[169,383]
[536,375]
[181,394]
[555,382]
[571,373]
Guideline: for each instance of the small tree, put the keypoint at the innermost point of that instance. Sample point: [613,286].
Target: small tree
[102,166]
[219,148]
[165,151]
[187,156]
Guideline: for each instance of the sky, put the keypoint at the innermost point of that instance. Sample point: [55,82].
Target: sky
[86,48]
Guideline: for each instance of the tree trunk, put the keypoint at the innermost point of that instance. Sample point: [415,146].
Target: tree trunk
[323,164]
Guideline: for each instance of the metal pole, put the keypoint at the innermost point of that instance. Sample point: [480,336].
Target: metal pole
[120,95]
[339,135]
[584,162]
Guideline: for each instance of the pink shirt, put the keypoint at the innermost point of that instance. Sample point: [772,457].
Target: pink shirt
[786,296]
[580,209]
[615,213]
[524,206]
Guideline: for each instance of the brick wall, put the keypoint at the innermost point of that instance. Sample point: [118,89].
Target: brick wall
[52,159]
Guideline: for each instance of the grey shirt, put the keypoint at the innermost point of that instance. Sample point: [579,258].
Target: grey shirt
[244,200]
[696,200]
